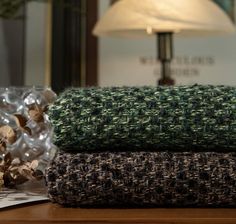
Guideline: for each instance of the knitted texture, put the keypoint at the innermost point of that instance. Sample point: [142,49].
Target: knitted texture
[143,179]
[140,118]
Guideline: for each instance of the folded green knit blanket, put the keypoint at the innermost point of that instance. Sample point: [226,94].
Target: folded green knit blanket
[182,179]
[140,118]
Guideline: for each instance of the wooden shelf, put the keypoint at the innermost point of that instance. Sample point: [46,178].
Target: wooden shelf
[51,213]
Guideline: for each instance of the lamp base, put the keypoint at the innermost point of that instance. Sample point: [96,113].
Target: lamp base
[165,55]
[166,81]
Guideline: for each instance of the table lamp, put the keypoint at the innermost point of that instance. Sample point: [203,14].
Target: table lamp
[137,18]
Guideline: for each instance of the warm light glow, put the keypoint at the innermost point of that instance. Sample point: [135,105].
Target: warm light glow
[149,30]
[136,18]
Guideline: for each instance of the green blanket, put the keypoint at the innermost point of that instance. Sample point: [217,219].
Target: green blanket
[141,118]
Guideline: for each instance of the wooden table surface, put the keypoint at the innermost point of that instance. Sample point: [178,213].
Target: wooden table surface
[45,213]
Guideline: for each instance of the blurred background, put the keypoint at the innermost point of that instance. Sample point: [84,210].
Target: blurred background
[50,43]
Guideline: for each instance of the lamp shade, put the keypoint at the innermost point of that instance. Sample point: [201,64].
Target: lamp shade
[135,18]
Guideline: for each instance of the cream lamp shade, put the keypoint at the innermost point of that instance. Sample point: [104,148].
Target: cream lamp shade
[135,18]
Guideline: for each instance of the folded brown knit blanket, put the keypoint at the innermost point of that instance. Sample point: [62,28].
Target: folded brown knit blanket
[143,179]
